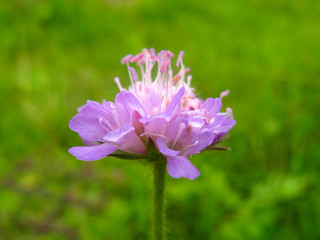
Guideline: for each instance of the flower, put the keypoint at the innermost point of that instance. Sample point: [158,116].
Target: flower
[160,111]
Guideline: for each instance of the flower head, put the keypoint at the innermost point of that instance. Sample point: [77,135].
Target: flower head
[160,108]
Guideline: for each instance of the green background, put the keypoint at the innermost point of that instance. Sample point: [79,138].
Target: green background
[54,55]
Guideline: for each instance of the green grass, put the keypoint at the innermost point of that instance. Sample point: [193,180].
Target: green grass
[54,55]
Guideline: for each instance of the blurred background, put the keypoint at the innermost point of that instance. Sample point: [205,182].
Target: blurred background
[54,55]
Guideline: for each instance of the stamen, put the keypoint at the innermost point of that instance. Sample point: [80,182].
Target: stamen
[169,54]
[191,145]
[145,51]
[152,134]
[181,127]
[152,51]
[137,57]
[134,74]
[143,74]
[140,62]
[224,93]
[130,76]
[116,117]
[112,106]
[176,79]
[189,78]
[181,54]
[162,56]
[108,127]
[229,111]
[117,80]
[126,59]
[170,73]
[163,67]
[154,57]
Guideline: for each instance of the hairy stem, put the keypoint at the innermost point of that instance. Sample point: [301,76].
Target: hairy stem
[159,170]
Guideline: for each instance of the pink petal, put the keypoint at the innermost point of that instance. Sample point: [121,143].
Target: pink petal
[93,108]
[155,125]
[128,101]
[180,166]
[153,103]
[91,153]
[175,101]
[88,127]
[127,139]
[177,129]
[163,148]
[212,105]
[198,141]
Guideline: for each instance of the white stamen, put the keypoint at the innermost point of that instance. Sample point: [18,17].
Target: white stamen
[116,117]
[117,80]
[229,111]
[189,78]
[191,145]
[152,134]
[108,127]
[181,54]
[224,93]
[181,128]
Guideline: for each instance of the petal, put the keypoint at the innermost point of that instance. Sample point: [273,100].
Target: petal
[227,125]
[117,135]
[89,127]
[91,153]
[163,148]
[93,108]
[177,129]
[135,117]
[196,123]
[221,123]
[153,103]
[175,101]
[155,125]
[213,106]
[217,120]
[223,128]
[130,102]
[93,121]
[109,106]
[197,141]
[88,142]
[180,166]
[127,138]
[196,119]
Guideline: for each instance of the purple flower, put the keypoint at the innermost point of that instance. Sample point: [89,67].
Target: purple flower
[162,110]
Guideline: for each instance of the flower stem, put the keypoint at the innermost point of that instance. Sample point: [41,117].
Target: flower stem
[158,200]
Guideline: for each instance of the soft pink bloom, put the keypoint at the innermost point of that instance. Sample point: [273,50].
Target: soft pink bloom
[158,106]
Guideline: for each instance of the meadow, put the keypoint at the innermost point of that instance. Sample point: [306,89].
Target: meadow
[56,54]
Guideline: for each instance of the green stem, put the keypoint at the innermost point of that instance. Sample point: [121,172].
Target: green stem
[159,170]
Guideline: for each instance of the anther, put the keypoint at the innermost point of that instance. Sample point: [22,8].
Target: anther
[134,74]
[164,66]
[176,79]
[224,93]
[181,54]
[126,59]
